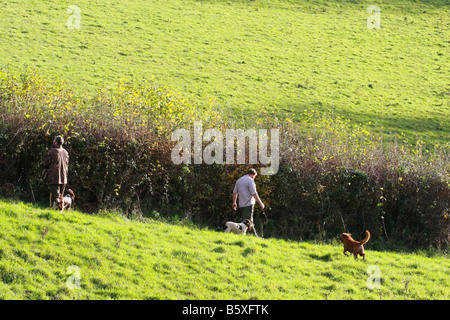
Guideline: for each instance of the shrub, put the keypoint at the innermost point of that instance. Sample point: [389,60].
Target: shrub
[334,175]
[349,180]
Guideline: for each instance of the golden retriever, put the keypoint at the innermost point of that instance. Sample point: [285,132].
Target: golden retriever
[353,246]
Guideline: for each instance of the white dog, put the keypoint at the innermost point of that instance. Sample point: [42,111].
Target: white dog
[64,202]
[238,228]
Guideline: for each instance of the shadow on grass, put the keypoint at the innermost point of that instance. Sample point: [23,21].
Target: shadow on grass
[431,127]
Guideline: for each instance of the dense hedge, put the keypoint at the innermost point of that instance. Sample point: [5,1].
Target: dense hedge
[334,176]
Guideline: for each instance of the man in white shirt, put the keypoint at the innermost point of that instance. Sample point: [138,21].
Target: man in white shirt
[246,189]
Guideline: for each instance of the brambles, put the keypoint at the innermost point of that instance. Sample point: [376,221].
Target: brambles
[334,175]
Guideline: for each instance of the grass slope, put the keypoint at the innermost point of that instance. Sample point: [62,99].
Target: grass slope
[295,54]
[119,258]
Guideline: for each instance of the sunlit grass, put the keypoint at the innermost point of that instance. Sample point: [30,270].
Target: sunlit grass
[294,55]
[129,259]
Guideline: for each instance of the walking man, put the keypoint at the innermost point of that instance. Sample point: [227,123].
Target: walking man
[57,163]
[245,188]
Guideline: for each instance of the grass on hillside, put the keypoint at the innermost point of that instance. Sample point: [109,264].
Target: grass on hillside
[295,55]
[118,258]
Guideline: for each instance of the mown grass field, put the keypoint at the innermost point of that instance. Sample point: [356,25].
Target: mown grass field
[117,258]
[293,55]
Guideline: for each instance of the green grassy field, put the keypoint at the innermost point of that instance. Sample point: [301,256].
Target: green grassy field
[294,55]
[117,258]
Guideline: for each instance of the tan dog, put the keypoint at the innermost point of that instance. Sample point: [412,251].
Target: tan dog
[353,246]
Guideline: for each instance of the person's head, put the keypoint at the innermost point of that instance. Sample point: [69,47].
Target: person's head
[58,141]
[252,173]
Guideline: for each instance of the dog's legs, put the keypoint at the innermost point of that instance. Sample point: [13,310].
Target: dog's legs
[63,207]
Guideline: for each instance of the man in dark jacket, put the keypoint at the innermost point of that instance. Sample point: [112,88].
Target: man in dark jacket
[57,163]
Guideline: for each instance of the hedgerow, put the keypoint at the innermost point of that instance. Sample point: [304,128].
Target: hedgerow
[334,176]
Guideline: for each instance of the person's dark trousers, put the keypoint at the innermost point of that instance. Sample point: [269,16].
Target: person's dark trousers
[247,212]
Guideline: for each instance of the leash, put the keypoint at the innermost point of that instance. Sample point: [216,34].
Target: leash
[254,232]
[265,222]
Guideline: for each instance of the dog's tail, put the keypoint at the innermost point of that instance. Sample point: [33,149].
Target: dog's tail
[72,195]
[366,239]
